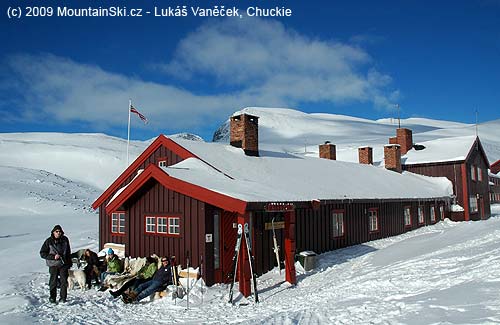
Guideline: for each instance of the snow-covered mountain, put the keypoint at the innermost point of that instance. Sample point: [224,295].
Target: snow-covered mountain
[290,130]
[442,273]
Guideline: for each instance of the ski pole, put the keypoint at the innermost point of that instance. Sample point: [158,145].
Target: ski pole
[187,262]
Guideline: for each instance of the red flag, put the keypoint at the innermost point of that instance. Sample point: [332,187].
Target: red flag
[135,111]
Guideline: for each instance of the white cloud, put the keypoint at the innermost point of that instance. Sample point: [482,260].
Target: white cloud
[267,64]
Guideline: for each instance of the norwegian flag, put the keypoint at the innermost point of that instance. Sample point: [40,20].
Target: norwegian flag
[135,111]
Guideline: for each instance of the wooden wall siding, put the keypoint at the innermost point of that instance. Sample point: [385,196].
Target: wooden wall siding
[105,221]
[314,227]
[265,259]
[155,199]
[451,170]
[475,187]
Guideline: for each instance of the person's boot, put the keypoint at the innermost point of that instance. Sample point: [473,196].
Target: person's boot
[52,300]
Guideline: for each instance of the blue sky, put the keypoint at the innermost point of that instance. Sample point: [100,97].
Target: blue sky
[436,59]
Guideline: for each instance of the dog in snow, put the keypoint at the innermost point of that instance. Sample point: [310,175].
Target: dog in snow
[76,276]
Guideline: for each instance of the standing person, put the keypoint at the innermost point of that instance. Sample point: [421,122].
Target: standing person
[162,277]
[92,266]
[57,254]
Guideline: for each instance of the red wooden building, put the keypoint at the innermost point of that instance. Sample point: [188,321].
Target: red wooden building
[494,178]
[460,159]
[181,197]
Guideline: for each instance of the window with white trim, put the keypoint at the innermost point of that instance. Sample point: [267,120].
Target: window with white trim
[150,224]
[162,163]
[337,223]
[473,203]
[433,214]
[174,226]
[473,172]
[407,216]
[441,212]
[421,219]
[479,174]
[373,220]
[118,223]
[161,225]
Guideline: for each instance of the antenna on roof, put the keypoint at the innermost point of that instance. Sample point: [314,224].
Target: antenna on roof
[477,132]
[399,117]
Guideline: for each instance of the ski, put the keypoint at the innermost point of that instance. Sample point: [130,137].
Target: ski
[251,260]
[276,248]
[235,261]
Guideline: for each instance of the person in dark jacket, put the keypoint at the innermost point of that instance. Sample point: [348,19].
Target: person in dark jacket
[92,266]
[57,254]
[162,277]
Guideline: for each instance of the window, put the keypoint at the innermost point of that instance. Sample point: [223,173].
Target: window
[473,172]
[162,225]
[479,174]
[174,226]
[407,217]
[118,223]
[338,223]
[162,163]
[473,203]
[373,219]
[150,224]
[433,214]
[421,219]
[441,212]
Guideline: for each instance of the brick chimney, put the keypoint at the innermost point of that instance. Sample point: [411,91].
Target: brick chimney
[404,139]
[328,151]
[245,133]
[392,157]
[365,155]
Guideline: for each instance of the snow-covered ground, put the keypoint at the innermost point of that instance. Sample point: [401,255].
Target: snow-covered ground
[446,273]
[443,273]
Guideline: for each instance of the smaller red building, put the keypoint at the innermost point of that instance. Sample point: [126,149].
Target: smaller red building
[460,159]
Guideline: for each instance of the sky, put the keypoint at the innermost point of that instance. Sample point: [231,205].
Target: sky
[437,59]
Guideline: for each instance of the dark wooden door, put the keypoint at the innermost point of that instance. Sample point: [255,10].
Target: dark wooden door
[228,241]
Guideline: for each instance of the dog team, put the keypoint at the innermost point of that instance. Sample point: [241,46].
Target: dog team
[144,276]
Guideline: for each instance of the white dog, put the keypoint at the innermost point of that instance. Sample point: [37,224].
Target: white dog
[77,276]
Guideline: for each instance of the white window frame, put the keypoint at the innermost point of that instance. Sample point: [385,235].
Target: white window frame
[421,216]
[174,225]
[373,224]
[118,223]
[473,204]
[150,224]
[441,212]
[433,213]
[473,172]
[337,223]
[161,225]
[407,216]
[479,174]
[162,163]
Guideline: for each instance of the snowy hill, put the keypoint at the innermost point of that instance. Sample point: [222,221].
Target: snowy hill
[294,131]
[442,273]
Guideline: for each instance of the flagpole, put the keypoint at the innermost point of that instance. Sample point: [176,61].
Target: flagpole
[128,133]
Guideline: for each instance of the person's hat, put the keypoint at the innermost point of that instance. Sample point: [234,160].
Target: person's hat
[110,251]
[57,227]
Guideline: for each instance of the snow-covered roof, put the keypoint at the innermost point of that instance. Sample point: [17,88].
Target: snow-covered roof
[278,176]
[440,150]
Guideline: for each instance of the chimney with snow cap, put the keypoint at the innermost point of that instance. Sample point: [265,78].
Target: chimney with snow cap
[404,139]
[365,155]
[245,133]
[392,157]
[327,151]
